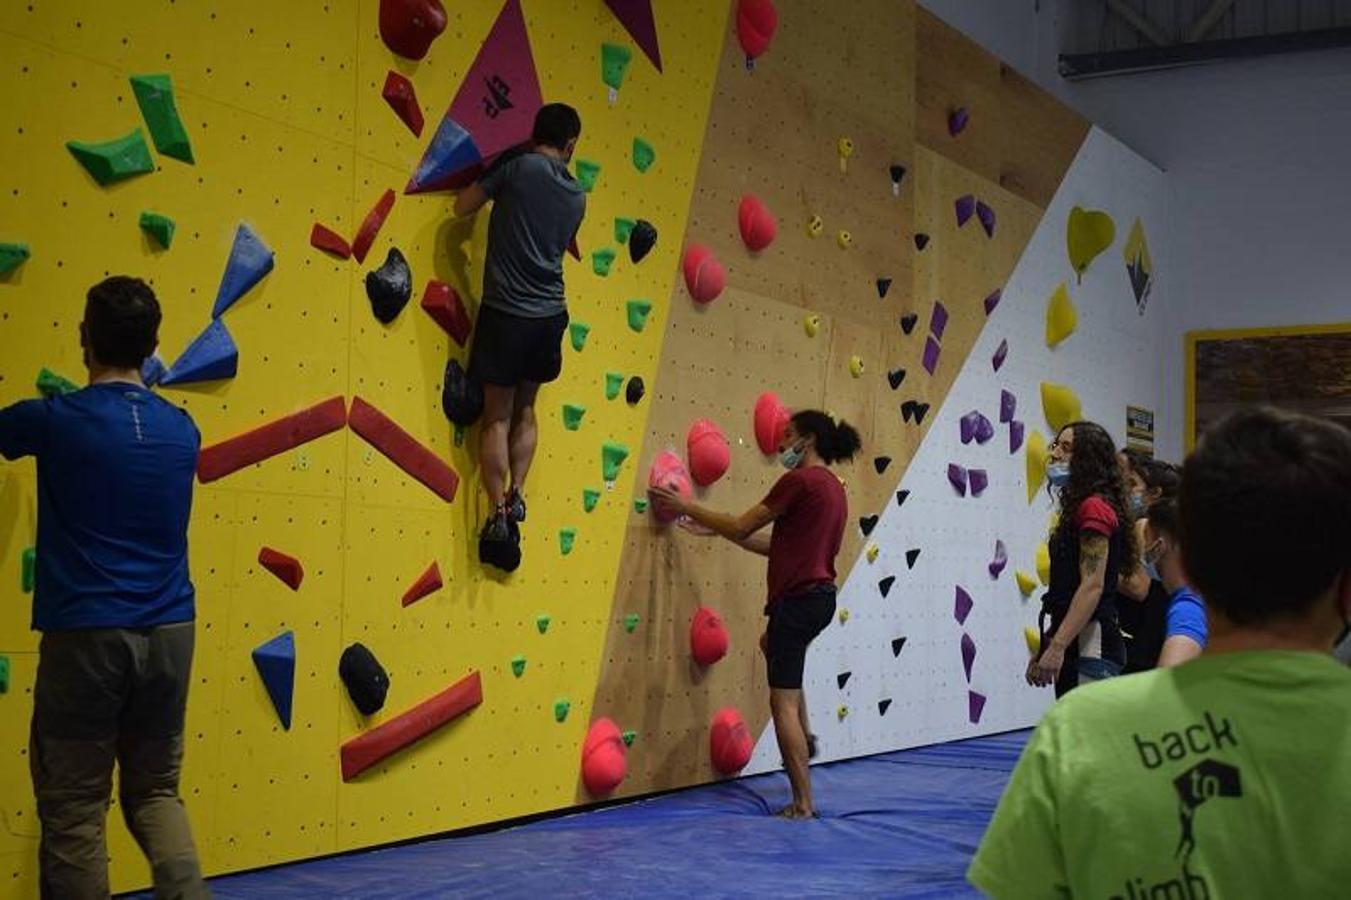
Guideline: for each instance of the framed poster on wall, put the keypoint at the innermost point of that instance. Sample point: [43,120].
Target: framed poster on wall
[1305,368]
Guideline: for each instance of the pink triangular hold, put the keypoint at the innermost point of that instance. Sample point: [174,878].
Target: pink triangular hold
[285,567]
[637,19]
[428,582]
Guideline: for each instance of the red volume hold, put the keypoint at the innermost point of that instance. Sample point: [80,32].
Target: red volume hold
[284,434]
[404,450]
[370,226]
[401,97]
[284,566]
[324,238]
[428,582]
[442,302]
[365,750]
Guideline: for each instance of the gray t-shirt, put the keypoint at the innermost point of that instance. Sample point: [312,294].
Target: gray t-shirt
[537,206]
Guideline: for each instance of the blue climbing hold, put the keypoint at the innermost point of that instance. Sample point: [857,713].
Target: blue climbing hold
[152,370]
[250,260]
[211,357]
[276,662]
[450,153]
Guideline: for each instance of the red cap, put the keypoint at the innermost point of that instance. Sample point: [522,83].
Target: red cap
[604,759]
[771,421]
[704,275]
[729,742]
[668,471]
[758,225]
[755,24]
[708,452]
[708,637]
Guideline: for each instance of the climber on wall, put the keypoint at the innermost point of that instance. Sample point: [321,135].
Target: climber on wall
[808,509]
[518,338]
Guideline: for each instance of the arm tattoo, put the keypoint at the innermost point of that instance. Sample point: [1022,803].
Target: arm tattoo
[1092,553]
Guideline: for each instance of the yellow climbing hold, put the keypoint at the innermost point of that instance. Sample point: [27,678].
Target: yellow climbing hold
[1043,559]
[845,146]
[1060,405]
[873,550]
[844,616]
[842,712]
[1033,638]
[1036,463]
[856,366]
[811,324]
[1087,233]
[1026,583]
[815,226]
[844,239]
[1061,316]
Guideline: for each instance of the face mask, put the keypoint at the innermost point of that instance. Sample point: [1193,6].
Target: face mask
[1058,473]
[1151,569]
[1138,506]
[792,457]
[1151,566]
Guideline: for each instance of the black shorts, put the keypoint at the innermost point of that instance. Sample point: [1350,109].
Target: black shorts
[794,622]
[511,349]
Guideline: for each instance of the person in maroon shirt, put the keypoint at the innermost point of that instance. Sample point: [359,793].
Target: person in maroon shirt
[807,508]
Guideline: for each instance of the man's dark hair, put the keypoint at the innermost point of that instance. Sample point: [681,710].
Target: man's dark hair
[121,322]
[1163,516]
[1266,513]
[1159,475]
[555,125]
[1136,458]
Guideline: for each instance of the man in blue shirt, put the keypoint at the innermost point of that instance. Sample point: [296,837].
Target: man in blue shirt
[114,603]
[1185,631]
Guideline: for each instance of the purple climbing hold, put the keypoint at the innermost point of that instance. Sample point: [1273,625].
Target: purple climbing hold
[992,300]
[957,120]
[930,360]
[961,605]
[965,208]
[968,655]
[957,475]
[212,356]
[250,259]
[986,216]
[1001,559]
[980,480]
[1000,353]
[1008,404]
[984,429]
[938,322]
[967,424]
[1015,436]
[975,704]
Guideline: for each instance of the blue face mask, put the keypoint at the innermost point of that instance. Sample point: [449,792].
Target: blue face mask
[1151,569]
[1138,506]
[1058,473]
[792,457]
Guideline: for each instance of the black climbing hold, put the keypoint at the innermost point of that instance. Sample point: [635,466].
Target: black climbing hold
[901,497]
[920,410]
[461,396]
[895,377]
[389,287]
[885,584]
[881,463]
[908,322]
[842,679]
[634,391]
[897,173]
[366,680]
[896,645]
[867,524]
[641,240]
[883,706]
[910,557]
[883,285]
[921,240]
[907,410]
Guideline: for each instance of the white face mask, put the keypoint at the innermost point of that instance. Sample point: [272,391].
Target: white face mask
[792,457]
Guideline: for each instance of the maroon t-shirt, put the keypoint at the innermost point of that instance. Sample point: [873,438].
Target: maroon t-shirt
[809,510]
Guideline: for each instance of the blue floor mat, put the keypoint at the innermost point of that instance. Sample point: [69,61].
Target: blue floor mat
[903,824]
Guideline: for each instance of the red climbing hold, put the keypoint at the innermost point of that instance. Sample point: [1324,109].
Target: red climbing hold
[758,225]
[771,421]
[442,302]
[428,582]
[708,452]
[285,567]
[604,761]
[329,241]
[708,637]
[404,450]
[370,226]
[756,21]
[408,27]
[402,98]
[668,472]
[254,446]
[704,275]
[729,742]
[365,750]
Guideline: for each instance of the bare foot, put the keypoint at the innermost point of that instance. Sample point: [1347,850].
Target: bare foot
[797,812]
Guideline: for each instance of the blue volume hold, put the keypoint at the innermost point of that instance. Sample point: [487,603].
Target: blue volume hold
[452,150]
[276,662]
[250,259]
[212,356]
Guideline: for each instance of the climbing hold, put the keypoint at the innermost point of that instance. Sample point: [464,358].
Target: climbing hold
[884,586]
[1139,265]
[461,396]
[897,173]
[641,240]
[366,749]
[986,216]
[442,302]
[897,644]
[402,449]
[287,433]
[911,556]
[974,426]
[930,358]
[50,384]
[668,471]
[1060,404]
[158,226]
[601,260]
[636,17]
[518,665]
[938,320]
[12,256]
[155,97]
[895,377]
[1087,233]
[590,497]
[1015,435]
[640,505]
[1026,583]
[709,453]
[402,98]
[883,706]
[408,27]
[572,416]
[1061,316]
[968,655]
[1001,559]
[634,391]
[623,228]
[704,275]
[285,567]
[880,463]
[866,524]
[324,238]
[965,207]
[211,356]
[771,421]
[845,148]
[567,538]
[389,287]
[815,227]
[729,742]
[975,705]
[913,410]
[370,226]
[962,605]
[612,456]
[1042,558]
[901,497]
[631,622]
[921,240]
[250,259]
[1008,405]
[979,479]
[992,300]
[643,155]
[843,615]
[603,758]
[1032,638]
[1000,354]
[28,563]
[756,21]
[638,311]
[629,737]
[542,623]
[4,674]
[811,324]
[841,712]
[957,478]
[843,239]
[758,225]
[708,636]
[276,663]
[614,63]
[113,160]
[908,322]
[429,582]
[577,332]
[614,382]
[1036,463]
[883,285]
[873,552]
[957,120]
[856,366]
[587,173]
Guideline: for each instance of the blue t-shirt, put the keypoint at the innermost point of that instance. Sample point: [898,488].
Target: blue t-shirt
[1187,616]
[115,465]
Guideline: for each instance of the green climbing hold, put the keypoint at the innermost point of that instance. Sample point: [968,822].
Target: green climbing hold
[612,456]
[561,708]
[518,666]
[159,227]
[572,416]
[590,497]
[567,537]
[629,737]
[578,332]
[50,384]
[4,674]
[631,622]
[614,62]
[155,96]
[643,155]
[638,313]
[12,256]
[640,505]
[28,569]
[114,160]
[542,623]
[587,173]
[614,383]
[623,228]
[601,260]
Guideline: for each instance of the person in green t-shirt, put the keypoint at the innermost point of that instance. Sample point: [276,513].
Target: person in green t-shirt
[1226,776]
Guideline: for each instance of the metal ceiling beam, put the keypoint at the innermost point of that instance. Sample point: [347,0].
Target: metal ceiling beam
[1208,20]
[1140,22]
[1075,66]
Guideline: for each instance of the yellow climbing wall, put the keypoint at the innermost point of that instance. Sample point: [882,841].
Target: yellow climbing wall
[282,104]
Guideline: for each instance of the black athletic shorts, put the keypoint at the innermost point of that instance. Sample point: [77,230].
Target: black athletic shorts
[794,622]
[511,349]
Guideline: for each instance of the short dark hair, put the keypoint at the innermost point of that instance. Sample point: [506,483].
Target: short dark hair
[1266,513]
[1163,516]
[835,441]
[1136,458]
[555,125]
[121,321]
[1159,475]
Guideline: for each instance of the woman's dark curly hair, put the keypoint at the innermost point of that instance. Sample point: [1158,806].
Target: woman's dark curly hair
[1094,470]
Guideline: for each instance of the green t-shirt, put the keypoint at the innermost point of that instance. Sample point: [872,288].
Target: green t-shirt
[1226,777]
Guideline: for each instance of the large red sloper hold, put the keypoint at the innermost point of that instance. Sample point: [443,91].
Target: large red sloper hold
[404,450]
[402,98]
[408,27]
[370,226]
[730,744]
[254,446]
[442,302]
[704,275]
[604,759]
[283,565]
[758,225]
[428,582]
[325,238]
[756,22]
[364,751]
